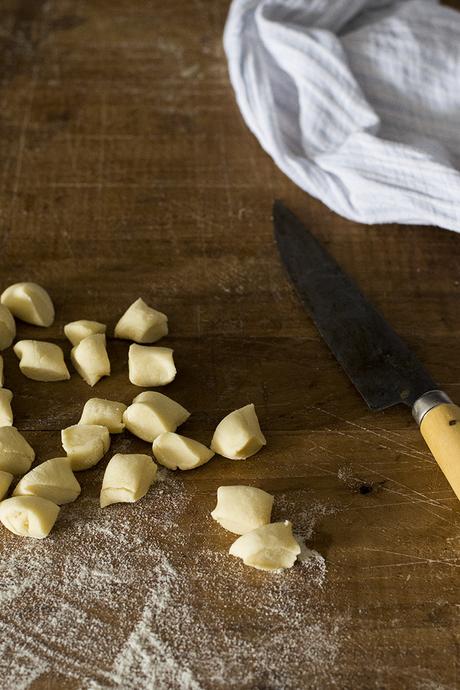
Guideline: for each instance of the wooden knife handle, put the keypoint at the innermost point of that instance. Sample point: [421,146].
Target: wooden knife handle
[440,427]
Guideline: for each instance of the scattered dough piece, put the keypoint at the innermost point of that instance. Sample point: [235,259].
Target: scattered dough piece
[152,413]
[53,479]
[7,327]
[108,413]
[270,547]
[175,451]
[85,444]
[5,481]
[1,372]
[30,303]
[151,366]
[141,323]
[76,331]
[241,509]
[16,455]
[28,516]
[6,413]
[41,361]
[90,358]
[238,435]
[127,478]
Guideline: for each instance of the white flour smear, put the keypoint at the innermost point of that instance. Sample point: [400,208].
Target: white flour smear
[146,596]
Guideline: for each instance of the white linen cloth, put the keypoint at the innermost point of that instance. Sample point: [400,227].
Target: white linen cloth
[357,101]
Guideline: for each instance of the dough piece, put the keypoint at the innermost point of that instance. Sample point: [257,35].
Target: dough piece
[53,479]
[5,481]
[90,358]
[41,361]
[7,327]
[85,444]
[2,379]
[152,413]
[241,509]
[142,324]
[270,547]
[106,413]
[179,452]
[6,413]
[29,516]
[30,303]
[151,366]
[16,455]
[127,478]
[238,435]
[76,331]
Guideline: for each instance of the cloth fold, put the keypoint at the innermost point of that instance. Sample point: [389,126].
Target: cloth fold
[357,101]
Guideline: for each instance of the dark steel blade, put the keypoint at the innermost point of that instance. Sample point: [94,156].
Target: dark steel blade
[378,362]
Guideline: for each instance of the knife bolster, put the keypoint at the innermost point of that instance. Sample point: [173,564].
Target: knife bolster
[427,402]
[440,428]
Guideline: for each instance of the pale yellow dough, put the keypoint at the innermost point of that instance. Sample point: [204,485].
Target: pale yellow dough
[238,435]
[127,478]
[90,358]
[7,327]
[179,452]
[141,323]
[108,413]
[6,413]
[41,361]
[152,413]
[53,479]
[2,378]
[271,547]
[30,303]
[85,444]
[28,516]
[5,481]
[151,366]
[241,509]
[76,331]
[16,455]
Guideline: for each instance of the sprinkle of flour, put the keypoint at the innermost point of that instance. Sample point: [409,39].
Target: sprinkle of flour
[133,597]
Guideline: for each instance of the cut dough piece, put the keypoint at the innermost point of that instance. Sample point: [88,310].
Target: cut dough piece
[85,444]
[76,331]
[6,413]
[53,479]
[28,516]
[7,327]
[141,323]
[108,413]
[16,455]
[41,361]
[30,303]
[241,509]
[179,452]
[127,478]
[2,379]
[5,481]
[238,435]
[270,547]
[151,366]
[152,413]
[90,358]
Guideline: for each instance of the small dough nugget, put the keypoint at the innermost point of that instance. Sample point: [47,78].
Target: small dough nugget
[6,413]
[53,479]
[152,413]
[127,478]
[241,509]
[108,413]
[90,358]
[151,366]
[76,331]
[16,455]
[85,444]
[30,303]
[179,452]
[29,516]
[141,323]
[41,361]
[5,481]
[238,435]
[7,327]
[270,547]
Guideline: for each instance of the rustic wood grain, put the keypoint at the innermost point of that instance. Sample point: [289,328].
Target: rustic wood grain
[127,170]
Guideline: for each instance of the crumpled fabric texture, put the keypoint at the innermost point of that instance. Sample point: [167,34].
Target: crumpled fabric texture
[357,101]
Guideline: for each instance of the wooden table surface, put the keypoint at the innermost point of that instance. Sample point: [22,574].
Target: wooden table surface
[126,171]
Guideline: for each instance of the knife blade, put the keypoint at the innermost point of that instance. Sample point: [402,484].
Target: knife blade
[379,363]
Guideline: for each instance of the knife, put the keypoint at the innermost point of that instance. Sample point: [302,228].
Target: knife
[376,359]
